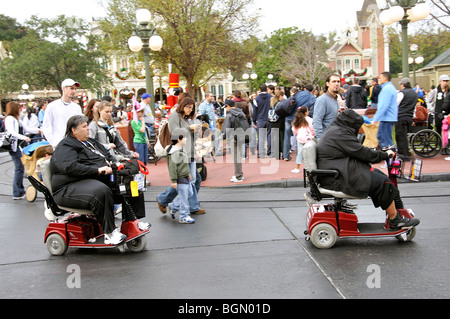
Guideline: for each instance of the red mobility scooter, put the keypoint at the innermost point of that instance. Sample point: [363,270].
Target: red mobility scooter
[328,222]
[79,228]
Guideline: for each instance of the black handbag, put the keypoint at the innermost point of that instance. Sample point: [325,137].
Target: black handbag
[5,142]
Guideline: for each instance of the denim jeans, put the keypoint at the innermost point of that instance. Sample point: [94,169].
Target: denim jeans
[299,159]
[185,192]
[384,134]
[170,194]
[142,150]
[18,189]
[287,138]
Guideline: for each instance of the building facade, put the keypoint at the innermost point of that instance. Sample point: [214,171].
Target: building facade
[362,51]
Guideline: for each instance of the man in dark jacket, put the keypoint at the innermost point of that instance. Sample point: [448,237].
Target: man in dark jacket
[374,92]
[81,169]
[235,129]
[407,99]
[356,96]
[261,107]
[339,149]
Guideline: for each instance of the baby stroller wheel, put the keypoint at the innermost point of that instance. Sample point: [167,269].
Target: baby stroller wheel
[137,245]
[30,193]
[323,236]
[56,245]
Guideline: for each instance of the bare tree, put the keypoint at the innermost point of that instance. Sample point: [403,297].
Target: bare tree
[305,60]
[442,12]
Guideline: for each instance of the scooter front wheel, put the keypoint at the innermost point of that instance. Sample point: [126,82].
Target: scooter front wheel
[137,245]
[56,245]
[408,236]
[323,236]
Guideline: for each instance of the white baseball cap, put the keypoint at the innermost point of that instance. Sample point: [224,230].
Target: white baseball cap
[69,82]
[444,77]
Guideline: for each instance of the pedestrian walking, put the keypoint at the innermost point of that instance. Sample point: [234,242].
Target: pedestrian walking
[179,172]
[140,140]
[407,100]
[59,111]
[435,101]
[303,129]
[13,126]
[235,129]
[387,110]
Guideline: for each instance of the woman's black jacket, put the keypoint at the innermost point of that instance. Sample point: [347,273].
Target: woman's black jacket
[339,149]
[73,161]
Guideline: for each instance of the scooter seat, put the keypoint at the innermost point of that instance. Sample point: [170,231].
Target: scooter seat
[76,210]
[337,194]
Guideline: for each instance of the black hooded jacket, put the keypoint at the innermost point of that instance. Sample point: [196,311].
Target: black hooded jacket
[339,149]
[356,97]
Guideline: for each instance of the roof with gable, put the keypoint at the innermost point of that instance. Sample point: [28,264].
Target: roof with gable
[443,58]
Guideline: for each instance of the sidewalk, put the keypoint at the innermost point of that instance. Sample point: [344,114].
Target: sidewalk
[273,173]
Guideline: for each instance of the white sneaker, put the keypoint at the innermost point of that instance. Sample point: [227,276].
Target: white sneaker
[235,180]
[187,220]
[144,226]
[447,158]
[295,171]
[115,238]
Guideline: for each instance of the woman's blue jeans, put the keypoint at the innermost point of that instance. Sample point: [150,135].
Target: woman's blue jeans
[18,189]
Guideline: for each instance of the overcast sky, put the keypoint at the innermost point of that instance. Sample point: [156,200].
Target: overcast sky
[318,16]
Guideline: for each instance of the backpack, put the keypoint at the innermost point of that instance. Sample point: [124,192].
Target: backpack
[286,107]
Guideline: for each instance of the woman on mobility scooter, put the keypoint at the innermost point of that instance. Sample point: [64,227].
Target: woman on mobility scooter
[339,149]
[81,169]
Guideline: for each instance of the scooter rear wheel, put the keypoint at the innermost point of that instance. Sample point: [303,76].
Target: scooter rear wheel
[56,245]
[323,236]
[137,245]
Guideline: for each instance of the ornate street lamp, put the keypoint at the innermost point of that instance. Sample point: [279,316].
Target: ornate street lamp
[145,38]
[404,12]
[414,59]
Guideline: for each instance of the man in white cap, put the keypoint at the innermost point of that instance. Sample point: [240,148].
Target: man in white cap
[59,111]
[435,101]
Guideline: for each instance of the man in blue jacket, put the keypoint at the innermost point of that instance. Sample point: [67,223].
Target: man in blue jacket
[261,107]
[387,110]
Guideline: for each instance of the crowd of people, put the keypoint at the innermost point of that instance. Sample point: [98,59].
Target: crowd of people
[268,123]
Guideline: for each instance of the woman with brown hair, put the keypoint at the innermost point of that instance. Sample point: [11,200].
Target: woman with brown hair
[181,124]
[91,109]
[13,126]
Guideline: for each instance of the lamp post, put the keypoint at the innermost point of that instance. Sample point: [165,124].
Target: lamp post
[145,38]
[252,76]
[404,12]
[414,59]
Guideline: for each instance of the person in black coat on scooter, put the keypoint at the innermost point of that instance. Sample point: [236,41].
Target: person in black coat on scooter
[81,169]
[339,149]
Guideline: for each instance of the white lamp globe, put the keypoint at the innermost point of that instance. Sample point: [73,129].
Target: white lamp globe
[411,16]
[245,76]
[410,60]
[384,17]
[143,16]
[421,11]
[135,43]
[419,60]
[156,42]
[396,13]
[254,76]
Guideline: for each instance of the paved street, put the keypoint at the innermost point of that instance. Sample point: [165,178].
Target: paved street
[249,244]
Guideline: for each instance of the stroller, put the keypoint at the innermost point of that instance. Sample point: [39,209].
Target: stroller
[33,155]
